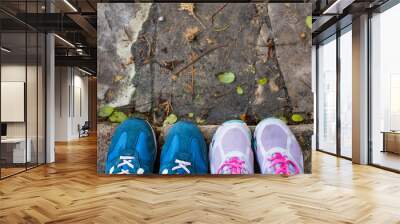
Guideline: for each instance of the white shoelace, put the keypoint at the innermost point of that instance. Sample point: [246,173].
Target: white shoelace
[126,160]
[182,165]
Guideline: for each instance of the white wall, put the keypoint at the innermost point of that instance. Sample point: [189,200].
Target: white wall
[80,109]
[62,80]
[33,127]
[17,73]
[70,83]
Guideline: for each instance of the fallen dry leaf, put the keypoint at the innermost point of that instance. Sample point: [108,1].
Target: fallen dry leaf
[209,41]
[191,33]
[243,117]
[189,7]
[273,87]
[118,78]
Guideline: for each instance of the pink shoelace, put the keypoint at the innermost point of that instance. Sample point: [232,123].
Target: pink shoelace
[283,162]
[234,164]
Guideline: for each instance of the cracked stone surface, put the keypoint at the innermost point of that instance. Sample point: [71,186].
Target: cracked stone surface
[140,55]
[294,57]
[118,28]
[143,48]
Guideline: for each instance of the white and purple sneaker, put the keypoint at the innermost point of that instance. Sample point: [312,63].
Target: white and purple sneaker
[277,149]
[230,149]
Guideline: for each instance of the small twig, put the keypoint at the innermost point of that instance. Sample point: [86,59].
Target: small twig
[271,48]
[167,107]
[220,29]
[275,44]
[198,58]
[170,102]
[193,56]
[148,46]
[216,12]
[190,8]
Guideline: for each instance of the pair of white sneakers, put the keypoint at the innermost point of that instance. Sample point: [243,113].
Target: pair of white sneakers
[277,151]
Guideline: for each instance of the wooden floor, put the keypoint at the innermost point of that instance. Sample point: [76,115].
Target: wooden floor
[5,172]
[386,159]
[70,191]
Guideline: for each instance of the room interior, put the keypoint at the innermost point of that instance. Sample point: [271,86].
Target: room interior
[334,74]
[355,156]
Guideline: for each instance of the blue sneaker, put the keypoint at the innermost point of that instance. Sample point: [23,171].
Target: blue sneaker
[133,148]
[184,151]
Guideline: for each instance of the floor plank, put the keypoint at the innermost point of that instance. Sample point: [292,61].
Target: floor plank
[70,191]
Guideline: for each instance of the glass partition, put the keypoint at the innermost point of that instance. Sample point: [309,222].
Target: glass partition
[13,94]
[31,98]
[41,97]
[22,77]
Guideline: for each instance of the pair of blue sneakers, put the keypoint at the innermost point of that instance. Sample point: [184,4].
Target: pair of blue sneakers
[133,149]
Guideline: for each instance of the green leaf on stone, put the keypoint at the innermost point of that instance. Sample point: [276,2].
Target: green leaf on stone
[106,111]
[190,115]
[239,90]
[226,77]
[171,119]
[117,117]
[309,21]
[297,118]
[262,81]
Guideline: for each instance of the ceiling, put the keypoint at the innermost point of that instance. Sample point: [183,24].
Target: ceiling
[331,15]
[74,22]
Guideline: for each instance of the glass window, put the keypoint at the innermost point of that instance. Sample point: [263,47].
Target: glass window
[31,98]
[327,96]
[346,93]
[385,88]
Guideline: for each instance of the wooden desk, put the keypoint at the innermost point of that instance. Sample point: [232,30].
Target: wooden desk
[391,141]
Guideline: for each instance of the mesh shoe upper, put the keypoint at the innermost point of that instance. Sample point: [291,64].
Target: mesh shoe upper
[132,149]
[277,149]
[230,149]
[184,151]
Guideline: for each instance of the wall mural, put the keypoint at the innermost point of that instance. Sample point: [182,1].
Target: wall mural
[197,88]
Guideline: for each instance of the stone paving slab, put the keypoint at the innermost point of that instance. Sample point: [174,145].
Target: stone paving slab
[142,47]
